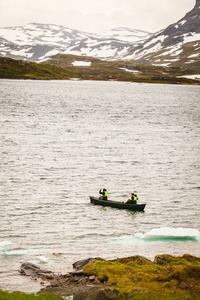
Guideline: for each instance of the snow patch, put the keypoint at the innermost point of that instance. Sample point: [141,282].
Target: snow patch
[126,34]
[193,55]
[192,38]
[159,39]
[131,71]
[81,63]
[22,52]
[162,65]
[194,77]
[182,22]
[48,55]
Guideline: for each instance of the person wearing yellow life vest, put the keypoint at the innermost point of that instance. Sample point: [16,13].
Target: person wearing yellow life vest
[134,198]
[104,194]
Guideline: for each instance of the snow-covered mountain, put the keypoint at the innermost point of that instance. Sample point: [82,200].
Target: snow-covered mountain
[177,45]
[37,42]
[126,34]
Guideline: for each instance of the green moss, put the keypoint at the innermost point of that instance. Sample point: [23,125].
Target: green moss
[176,260]
[178,277]
[22,296]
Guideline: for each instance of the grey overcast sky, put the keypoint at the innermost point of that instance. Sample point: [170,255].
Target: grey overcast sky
[95,16]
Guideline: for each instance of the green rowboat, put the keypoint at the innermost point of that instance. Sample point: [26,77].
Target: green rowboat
[116,204]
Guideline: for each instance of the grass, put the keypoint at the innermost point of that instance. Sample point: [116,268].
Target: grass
[20,69]
[113,70]
[60,67]
[177,278]
[22,296]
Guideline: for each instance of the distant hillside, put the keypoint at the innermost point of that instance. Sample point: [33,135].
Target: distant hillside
[95,69]
[20,69]
[88,68]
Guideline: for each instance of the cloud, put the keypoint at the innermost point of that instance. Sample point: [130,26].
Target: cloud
[95,15]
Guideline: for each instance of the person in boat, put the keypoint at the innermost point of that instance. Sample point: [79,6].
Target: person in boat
[104,194]
[133,199]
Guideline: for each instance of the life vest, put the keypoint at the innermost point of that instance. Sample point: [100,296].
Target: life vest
[105,194]
[134,198]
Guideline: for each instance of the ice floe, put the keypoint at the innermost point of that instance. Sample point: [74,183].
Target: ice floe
[159,235]
[5,246]
[42,259]
[5,250]
[19,252]
[166,232]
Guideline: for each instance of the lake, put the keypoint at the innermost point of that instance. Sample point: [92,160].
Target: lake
[61,141]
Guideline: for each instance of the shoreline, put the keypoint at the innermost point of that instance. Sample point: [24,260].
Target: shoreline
[194,83]
[122,277]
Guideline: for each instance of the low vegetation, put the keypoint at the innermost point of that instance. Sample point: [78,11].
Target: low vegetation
[20,69]
[22,296]
[167,277]
[60,67]
[121,70]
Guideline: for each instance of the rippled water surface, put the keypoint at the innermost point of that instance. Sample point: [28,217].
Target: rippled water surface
[62,141]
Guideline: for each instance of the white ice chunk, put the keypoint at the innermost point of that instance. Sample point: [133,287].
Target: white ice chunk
[18,252]
[42,259]
[5,246]
[172,232]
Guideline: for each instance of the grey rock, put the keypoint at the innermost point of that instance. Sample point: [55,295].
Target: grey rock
[81,263]
[79,272]
[29,269]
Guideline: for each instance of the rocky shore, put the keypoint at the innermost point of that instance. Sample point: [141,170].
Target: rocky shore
[167,277]
[76,283]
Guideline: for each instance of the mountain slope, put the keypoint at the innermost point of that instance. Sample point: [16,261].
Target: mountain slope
[178,44]
[37,42]
[126,34]
[20,69]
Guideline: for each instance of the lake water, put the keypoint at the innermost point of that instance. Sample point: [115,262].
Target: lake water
[62,141]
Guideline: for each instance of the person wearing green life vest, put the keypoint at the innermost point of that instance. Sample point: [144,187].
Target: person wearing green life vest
[134,198]
[104,194]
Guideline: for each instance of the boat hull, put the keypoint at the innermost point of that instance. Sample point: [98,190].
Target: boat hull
[115,204]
